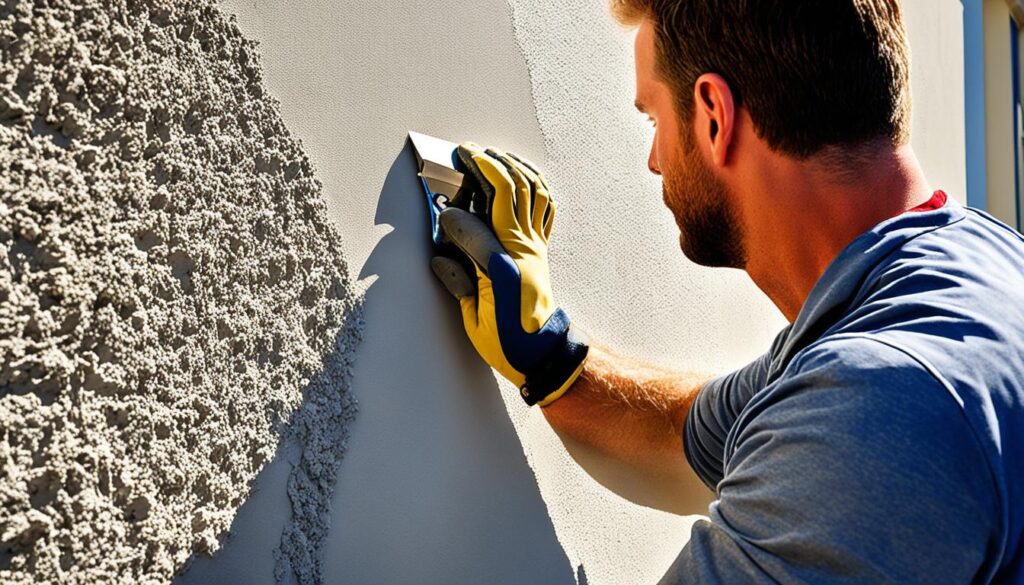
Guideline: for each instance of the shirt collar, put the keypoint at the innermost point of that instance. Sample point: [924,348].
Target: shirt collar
[837,290]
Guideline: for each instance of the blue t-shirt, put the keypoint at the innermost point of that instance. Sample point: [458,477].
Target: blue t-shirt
[881,439]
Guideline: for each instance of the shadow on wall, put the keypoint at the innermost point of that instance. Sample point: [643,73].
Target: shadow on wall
[658,492]
[434,487]
[311,446]
[437,488]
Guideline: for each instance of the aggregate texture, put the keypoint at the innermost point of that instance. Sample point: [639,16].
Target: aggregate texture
[171,294]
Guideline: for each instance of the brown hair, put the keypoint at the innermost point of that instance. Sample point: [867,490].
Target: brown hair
[812,73]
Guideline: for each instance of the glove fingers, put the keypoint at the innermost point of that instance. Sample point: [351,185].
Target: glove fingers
[495,182]
[540,210]
[542,188]
[539,194]
[465,155]
[470,234]
[524,188]
[529,165]
[453,276]
[549,220]
[471,305]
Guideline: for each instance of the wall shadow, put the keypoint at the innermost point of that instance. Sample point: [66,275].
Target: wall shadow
[435,487]
[686,498]
[247,552]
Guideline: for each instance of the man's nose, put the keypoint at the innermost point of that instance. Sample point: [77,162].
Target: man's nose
[652,160]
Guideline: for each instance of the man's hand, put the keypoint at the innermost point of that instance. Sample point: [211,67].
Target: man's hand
[507,305]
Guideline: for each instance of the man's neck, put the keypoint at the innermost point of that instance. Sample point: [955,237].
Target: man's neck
[806,212]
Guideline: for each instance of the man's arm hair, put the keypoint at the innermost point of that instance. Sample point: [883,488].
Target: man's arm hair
[630,411]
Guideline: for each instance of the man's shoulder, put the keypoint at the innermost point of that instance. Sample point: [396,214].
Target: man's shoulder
[952,301]
[977,254]
[858,394]
[865,373]
[854,359]
[866,406]
[852,444]
[858,355]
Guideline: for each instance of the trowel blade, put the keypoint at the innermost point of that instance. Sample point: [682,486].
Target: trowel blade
[435,161]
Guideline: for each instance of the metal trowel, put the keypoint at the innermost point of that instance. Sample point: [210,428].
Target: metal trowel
[444,185]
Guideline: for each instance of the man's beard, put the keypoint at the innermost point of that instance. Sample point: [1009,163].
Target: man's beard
[710,232]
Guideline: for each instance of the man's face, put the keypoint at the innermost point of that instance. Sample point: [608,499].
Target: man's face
[709,231]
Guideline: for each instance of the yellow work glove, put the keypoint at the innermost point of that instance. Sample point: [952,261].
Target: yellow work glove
[507,306]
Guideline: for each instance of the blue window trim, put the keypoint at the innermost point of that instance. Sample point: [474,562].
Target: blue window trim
[974,102]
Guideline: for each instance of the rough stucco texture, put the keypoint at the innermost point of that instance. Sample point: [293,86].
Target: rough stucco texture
[170,291]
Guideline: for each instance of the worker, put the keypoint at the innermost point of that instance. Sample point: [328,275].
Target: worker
[880,437]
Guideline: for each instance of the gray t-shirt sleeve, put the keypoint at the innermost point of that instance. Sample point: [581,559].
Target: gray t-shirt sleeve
[856,466]
[713,413]
[715,410]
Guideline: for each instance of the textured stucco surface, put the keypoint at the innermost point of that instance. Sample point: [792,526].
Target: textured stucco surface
[170,294]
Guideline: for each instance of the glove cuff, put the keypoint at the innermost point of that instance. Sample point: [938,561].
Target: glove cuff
[550,379]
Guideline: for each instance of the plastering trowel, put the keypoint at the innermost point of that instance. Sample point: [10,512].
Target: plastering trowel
[443,183]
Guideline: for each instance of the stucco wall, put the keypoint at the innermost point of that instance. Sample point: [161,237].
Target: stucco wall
[173,297]
[449,478]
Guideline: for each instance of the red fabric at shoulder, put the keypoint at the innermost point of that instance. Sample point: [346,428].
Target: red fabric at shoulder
[936,202]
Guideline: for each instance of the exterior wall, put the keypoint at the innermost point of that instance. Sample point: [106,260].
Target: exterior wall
[449,478]
[974,90]
[999,131]
[938,133]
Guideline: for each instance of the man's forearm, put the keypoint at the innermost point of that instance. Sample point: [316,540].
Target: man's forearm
[629,410]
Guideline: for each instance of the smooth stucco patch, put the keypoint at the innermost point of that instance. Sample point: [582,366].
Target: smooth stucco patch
[170,293]
[435,487]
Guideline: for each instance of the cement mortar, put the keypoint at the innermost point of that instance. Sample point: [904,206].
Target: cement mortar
[170,293]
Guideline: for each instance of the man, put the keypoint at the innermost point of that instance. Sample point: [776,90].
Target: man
[879,439]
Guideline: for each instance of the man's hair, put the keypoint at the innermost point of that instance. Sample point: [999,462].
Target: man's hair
[814,74]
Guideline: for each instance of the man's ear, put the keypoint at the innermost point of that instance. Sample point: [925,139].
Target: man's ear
[715,115]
